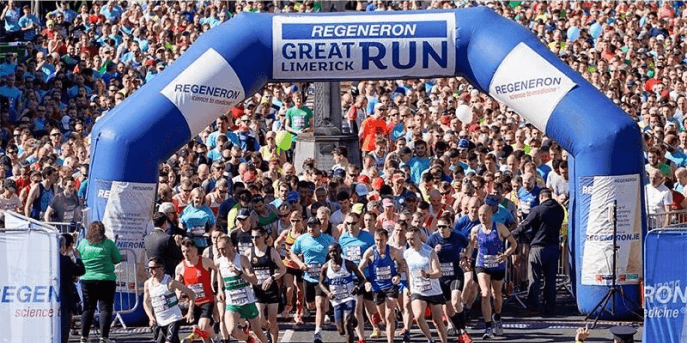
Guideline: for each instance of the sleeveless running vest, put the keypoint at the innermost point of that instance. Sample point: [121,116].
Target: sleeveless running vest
[198,280]
[382,269]
[288,243]
[340,283]
[418,261]
[489,247]
[237,291]
[165,303]
[263,267]
[40,204]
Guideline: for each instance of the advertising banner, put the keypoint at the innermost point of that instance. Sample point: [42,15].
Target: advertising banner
[532,88]
[596,196]
[127,217]
[363,46]
[29,286]
[665,287]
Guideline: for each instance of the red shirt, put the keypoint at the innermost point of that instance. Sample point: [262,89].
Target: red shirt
[369,130]
[198,279]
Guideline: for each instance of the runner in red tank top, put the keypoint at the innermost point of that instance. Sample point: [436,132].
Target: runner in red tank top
[194,272]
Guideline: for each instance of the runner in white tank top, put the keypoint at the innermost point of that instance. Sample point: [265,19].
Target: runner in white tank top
[397,239]
[424,272]
[160,301]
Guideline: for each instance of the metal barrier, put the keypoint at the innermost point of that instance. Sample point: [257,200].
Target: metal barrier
[667,219]
[127,278]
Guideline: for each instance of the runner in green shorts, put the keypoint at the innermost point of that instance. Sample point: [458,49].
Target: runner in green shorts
[236,279]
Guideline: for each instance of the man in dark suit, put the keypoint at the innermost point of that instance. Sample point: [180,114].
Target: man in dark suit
[160,243]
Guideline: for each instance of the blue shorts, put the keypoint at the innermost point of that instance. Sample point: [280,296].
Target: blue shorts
[343,308]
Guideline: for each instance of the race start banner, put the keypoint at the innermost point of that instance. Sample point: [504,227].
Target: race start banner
[596,196]
[363,46]
[665,287]
[29,285]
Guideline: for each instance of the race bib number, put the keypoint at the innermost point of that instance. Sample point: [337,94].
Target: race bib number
[197,230]
[243,247]
[447,269]
[340,292]
[314,270]
[237,297]
[198,289]
[383,273]
[162,302]
[421,284]
[490,261]
[262,275]
[353,253]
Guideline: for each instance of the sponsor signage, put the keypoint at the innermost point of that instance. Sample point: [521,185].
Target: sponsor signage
[530,85]
[364,46]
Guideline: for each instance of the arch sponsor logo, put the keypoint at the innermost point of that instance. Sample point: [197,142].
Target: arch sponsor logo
[530,85]
[208,86]
[364,46]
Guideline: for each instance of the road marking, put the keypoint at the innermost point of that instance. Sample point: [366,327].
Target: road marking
[287,336]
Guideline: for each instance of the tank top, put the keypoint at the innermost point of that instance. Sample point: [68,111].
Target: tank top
[340,283]
[40,204]
[282,246]
[288,243]
[198,280]
[382,269]
[418,261]
[489,246]
[268,221]
[237,291]
[402,249]
[263,266]
[165,303]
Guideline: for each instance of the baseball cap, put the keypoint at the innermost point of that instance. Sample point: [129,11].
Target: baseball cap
[357,208]
[361,190]
[314,221]
[463,143]
[387,203]
[243,213]
[339,172]
[363,179]
[166,207]
[292,196]
[377,183]
[249,176]
[491,200]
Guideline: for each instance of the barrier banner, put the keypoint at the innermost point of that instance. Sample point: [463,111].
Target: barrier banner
[596,195]
[665,287]
[127,217]
[29,286]
[364,46]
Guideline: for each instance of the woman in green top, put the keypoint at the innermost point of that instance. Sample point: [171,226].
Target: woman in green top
[99,256]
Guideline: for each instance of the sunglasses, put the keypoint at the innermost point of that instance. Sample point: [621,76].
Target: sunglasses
[255,237]
[296,221]
[351,223]
[442,226]
[153,267]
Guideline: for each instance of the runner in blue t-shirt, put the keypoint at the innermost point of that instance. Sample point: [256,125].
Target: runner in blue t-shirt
[313,248]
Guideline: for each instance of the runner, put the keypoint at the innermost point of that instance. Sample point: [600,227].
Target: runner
[491,266]
[293,280]
[336,281]
[268,268]
[424,272]
[354,242]
[384,278]
[398,241]
[194,272]
[449,246]
[161,303]
[313,248]
[236,278]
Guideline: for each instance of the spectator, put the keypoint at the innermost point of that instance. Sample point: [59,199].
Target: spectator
[71,267]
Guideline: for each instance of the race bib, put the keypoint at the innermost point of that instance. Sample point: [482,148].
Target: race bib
[197,230]
[262,275]
[490,261]
[353,253]
[162,302]
[198,289]
[447,269]
[314,270]
[421,284]
[243,247]
[383,273]
[237,297]
[340,292]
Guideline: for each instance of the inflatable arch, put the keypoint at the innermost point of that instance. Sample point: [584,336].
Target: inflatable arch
[496,55]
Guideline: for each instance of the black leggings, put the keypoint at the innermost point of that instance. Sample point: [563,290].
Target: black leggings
[102,293]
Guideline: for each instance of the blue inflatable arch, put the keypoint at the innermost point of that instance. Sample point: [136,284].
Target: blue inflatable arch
[498,56]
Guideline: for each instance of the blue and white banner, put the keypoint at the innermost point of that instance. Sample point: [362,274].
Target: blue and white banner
[29,285]
[363,46]
[596,196]
[665,287]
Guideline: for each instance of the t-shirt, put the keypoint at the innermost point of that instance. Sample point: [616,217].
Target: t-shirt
[354,247]
[369,130]
[299,118]
[66,208]
[314,251]
[10,204]
[464,225]
[417,166]
[99,260]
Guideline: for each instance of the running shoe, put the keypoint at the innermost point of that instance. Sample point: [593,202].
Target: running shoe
[317,337]
[375,333]
[488,334]
[450,331]
[498,326]
[464,338]
[406,335]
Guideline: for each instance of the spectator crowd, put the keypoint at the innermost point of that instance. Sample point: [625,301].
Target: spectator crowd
[423,167]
